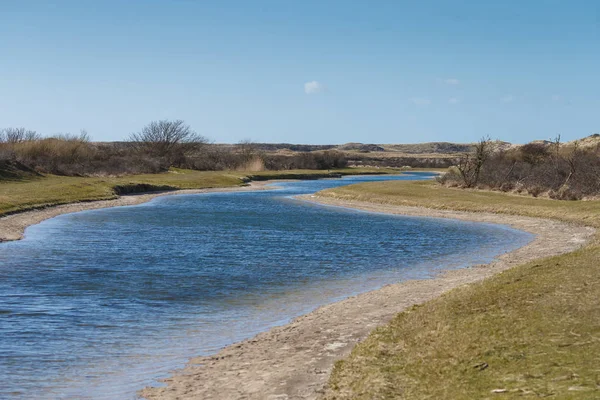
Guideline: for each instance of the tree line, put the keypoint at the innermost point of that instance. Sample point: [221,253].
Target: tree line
[155,148]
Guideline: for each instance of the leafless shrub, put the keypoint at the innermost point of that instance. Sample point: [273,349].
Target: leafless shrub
[170,140]
[9,137]
[73,155]
[17,135]
[212,158]
[328,159]
[563,172]
[470,164]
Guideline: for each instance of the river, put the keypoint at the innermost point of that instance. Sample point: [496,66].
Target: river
[98,304]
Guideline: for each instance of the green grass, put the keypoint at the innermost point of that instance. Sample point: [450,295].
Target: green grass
[536,326]
[30,192]
[53,190]
[431,195]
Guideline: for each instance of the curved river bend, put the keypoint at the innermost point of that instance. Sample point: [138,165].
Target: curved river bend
[99,304]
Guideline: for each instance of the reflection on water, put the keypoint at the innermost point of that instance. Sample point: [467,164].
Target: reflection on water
[100,303]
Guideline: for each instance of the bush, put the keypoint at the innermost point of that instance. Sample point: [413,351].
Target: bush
[328,159]
[563,172]
[172,141]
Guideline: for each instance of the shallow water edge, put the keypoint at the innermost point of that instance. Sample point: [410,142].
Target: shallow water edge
[13,226]
[293,361]
[171,342]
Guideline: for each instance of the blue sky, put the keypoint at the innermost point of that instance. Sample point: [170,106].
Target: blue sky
[304,71]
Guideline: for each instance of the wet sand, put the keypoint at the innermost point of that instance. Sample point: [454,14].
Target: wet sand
[294,361]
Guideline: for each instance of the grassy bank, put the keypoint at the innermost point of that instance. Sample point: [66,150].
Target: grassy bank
[30,191]
[532,331]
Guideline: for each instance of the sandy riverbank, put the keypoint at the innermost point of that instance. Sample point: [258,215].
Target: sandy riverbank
[12,227]
[294,361]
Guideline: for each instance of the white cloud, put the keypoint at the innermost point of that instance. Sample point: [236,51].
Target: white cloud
[313,87]
[451,81]
[556,97]
[509,98]
[420,101]
[453,100]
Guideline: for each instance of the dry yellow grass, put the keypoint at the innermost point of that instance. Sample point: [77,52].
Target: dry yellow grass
[530,332]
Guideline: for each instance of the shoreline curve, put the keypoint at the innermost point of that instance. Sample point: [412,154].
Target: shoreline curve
[294,361]
[13,226]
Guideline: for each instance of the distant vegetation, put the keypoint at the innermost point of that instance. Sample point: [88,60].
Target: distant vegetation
[161,145]
[38,171]
[157,147]
[72,155]
[543,168]
[568,171]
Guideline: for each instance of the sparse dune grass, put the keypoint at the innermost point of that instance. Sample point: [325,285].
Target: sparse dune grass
[530,332]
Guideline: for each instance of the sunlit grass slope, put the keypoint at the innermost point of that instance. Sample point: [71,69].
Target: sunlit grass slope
[32,191]
[530,332]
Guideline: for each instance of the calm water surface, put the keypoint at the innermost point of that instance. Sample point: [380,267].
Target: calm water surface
[99,304]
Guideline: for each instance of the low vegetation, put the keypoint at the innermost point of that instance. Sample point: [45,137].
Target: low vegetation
[27,190]
[159,146]
[172,143]
[75,155]
[552,169]
[40,171]
[530,332]
[36,192]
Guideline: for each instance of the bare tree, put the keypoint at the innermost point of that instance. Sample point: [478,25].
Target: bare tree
[470,164]
[18,135]
[556,154]
[247,149]
[9,137]
[572,159]
[167,139]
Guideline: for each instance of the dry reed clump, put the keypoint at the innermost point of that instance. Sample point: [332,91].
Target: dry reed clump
[254,165]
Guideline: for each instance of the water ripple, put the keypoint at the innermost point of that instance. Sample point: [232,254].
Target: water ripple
[100,303]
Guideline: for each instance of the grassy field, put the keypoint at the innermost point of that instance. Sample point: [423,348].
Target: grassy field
[530,332]
[30,191]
